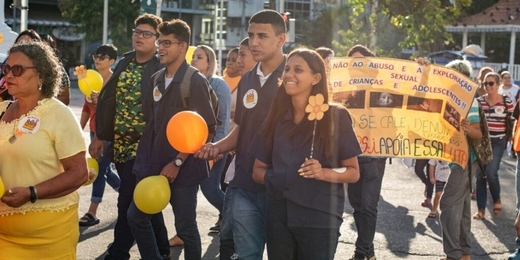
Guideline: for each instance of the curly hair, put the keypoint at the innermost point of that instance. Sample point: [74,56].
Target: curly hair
[45,62]
[179,28]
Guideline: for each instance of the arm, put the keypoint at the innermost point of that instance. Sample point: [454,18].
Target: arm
[259,170]
[170,171]
[84,119]
[311,168]
[211,150]
[64,95]
[74,175]
[472,130]
[431,173]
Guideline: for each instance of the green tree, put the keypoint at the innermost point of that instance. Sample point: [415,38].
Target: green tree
[88,15]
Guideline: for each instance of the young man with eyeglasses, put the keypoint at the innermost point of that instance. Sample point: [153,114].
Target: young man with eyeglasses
[104,58]
[124,93]
[155,156]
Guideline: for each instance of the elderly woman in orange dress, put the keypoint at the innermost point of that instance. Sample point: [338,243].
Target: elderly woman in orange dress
[42,159]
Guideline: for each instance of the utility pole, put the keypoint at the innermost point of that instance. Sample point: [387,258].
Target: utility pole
[24,15]
[243,20]
[105,21]
[220,35]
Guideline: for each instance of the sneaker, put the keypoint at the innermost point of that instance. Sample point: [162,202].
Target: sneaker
[358,256]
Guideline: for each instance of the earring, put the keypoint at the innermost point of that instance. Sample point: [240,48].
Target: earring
[40,86]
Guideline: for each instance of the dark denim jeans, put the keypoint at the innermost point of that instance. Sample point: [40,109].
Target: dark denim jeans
[364,197]
[211,186]
[302,243]
[498,146]
[184,205]
[123,238]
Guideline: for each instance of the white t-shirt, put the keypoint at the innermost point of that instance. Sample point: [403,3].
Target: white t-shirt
[442,169]
[510,92]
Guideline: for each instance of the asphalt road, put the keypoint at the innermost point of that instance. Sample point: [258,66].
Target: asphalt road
[403,231]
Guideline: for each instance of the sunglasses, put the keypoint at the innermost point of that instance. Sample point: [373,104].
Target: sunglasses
[166,43]
[146,34]
[100,57]
[17,70]
[488,83]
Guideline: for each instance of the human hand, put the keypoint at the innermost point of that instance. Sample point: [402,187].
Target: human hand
[311,168]
[94,96]
[432,180]
[207,152]
[464,125]
[17,196]
[170,171]
[95,146]
[422,61]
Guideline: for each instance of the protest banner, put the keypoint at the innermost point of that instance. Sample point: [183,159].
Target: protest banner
[403,109]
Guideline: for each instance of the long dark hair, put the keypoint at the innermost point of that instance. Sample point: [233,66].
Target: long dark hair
[282,103]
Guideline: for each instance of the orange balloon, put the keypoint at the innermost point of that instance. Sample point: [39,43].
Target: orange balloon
[187,132]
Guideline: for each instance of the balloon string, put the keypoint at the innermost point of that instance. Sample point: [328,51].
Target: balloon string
[88,86]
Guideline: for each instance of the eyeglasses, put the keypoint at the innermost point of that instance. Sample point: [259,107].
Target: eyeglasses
[146,34]
[166,43]
[488,83]
[100,57]
[506,77]
[17,70]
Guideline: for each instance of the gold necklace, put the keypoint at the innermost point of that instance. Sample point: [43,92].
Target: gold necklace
[12,139]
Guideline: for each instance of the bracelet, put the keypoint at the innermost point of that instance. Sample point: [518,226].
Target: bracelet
[34,194]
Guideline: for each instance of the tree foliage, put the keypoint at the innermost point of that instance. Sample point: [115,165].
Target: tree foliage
[88,15]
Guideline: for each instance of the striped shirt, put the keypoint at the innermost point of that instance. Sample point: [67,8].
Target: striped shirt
[496,115]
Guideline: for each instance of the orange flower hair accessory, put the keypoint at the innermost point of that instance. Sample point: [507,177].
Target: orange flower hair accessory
[80,72]
[316,110]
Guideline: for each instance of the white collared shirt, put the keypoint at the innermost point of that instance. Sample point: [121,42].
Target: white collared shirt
[261,76]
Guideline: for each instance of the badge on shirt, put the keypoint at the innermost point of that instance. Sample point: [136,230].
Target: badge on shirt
[156,94]
[250,99]
[499,110]
[29,124]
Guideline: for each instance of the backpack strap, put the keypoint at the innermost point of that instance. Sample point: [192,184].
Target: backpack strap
[156,76]
[185,86]
[335,133]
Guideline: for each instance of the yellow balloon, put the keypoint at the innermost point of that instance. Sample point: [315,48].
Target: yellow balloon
[152,194]
[93,170]
[189,53]
[91,82]
[2,188]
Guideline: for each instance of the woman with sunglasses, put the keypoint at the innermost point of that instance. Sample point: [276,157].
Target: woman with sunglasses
[42,159]
[204,59]
[104,58]
[496,107]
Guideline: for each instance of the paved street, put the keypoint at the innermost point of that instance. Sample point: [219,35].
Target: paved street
[403,232]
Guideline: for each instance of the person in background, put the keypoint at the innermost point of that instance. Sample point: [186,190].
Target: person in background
[232,77]
[480,78]
[455,203]
[124,92]
[421,170]
[104,58]
[243,224]
[497,108]
[305,196]
[64,93]
[364,194]
[204,59]
[438,171]
[326,54]
[39,209]
[508,88]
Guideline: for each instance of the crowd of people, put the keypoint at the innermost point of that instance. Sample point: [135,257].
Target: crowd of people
[267,189]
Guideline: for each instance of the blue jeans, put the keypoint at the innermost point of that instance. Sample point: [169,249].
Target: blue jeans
[211,186]
[364,197]
[498,145]
[302,243]
[184,205]
[105,175]
[123,238]
[244,220]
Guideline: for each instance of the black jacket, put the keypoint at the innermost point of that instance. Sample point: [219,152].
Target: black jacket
[106,106]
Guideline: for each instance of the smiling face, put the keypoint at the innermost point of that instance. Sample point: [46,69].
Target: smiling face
[27,83]
[506,79]
[170,49]
[143,38]
[200,60]
[263,41]
[298,78]
[491,84]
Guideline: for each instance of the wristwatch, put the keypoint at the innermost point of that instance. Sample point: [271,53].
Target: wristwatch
[178,162]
